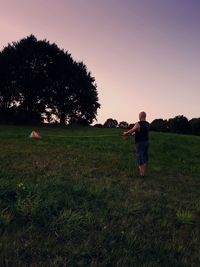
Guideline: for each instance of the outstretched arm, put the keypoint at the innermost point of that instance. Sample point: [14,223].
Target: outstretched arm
[135,128]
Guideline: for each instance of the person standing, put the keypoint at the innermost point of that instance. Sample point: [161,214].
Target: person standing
[141,132]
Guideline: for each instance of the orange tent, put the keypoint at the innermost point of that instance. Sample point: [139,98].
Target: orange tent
[35,135]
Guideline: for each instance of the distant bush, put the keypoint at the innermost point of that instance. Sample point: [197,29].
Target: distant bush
[98,125]
[110,123]
[131,125]
[123,125]
[179,124]
[159,125]
[195,126]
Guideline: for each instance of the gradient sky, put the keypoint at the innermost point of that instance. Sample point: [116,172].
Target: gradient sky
[144,54]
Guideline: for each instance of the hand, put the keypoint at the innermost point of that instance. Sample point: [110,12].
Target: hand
[124,135]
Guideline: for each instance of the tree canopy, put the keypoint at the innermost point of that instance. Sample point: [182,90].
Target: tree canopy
[111,123]
[39,81]
[178,124]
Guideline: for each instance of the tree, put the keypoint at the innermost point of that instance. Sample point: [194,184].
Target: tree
[7,94]
[27,62]
[131,125]
[195,126]
[84,96]
[110,123]
[38,80]
[159,125]
[98,125]
[123,125]
[179,124]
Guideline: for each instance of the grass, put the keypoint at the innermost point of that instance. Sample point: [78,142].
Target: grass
[73,199]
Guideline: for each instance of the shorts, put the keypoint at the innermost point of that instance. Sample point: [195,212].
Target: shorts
[142,152]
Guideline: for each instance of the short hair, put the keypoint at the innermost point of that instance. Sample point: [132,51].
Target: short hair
[143,114]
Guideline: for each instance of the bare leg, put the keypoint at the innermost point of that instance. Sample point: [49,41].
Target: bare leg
[142,169]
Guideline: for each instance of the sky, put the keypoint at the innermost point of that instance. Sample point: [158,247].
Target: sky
[144,54]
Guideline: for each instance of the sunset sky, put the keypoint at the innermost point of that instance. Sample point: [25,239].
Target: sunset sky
[144,54]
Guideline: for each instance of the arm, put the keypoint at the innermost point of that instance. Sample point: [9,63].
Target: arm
[135,128]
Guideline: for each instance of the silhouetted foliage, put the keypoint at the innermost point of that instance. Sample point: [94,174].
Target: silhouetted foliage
[131,125]
[159,125]
[98,125]
[195,126]
[123,125]
[38,80]
[179,124]
[110,123]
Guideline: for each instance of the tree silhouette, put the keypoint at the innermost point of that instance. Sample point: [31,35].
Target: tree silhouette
[179,124]
[110,123]
[195,126]
[123,125]
[38,80]
[98,125]
[159,125]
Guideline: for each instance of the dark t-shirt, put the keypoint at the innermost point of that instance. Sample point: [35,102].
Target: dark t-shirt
[142,135]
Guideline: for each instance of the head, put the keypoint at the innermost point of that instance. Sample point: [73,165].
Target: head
[142,116]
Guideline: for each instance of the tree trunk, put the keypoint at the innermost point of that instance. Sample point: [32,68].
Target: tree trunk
[62,118]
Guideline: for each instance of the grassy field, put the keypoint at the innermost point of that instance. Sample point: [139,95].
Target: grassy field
[73,198]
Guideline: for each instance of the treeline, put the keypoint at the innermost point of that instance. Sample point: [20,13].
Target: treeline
[112,123]
[40,82]
[179,124]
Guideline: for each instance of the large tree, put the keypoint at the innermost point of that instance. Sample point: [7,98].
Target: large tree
[159,125]
[38,80]
[179,124]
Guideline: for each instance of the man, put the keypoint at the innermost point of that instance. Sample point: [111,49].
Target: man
[141,132]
